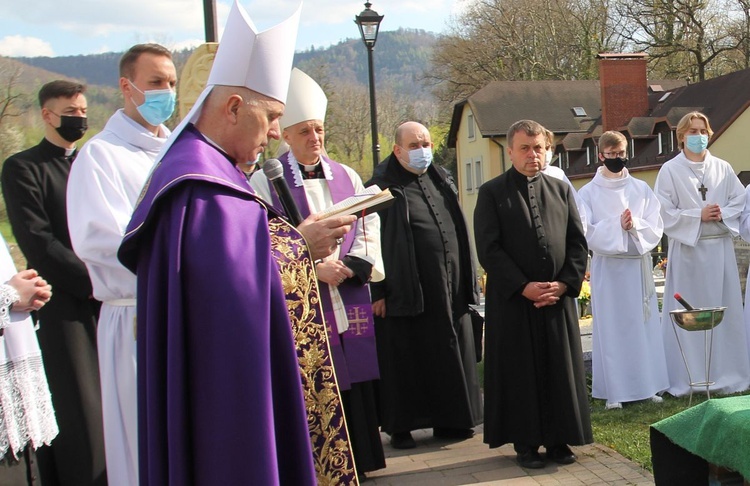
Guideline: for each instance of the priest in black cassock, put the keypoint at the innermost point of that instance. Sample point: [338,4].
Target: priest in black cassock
[531,244]
[428,374]
[34,183]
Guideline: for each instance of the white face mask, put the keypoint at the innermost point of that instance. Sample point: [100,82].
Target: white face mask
[548,157]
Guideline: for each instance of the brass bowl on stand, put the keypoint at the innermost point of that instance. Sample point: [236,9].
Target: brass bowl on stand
[701,319]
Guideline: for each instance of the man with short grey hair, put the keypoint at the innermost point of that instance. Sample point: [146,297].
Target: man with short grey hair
[226,295]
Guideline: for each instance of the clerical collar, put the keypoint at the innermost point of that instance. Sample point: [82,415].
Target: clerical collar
[57,150]
[297,171]
[314,171]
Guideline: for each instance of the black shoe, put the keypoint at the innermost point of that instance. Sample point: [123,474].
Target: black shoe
[402,440]
[561,454]
[449,433]
[530,459]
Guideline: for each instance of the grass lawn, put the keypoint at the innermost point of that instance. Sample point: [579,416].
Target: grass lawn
[627,430]
[7,232]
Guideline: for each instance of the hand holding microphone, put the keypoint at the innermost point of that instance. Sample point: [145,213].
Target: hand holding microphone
[274,172]
[322,236]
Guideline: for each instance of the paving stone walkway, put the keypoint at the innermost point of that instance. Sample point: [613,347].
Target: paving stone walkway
[439,462]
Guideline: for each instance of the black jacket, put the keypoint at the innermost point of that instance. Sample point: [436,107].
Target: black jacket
[401,287]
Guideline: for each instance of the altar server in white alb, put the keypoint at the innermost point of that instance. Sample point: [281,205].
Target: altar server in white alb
[745,234]
[624,225]
[103,187]
[701,202]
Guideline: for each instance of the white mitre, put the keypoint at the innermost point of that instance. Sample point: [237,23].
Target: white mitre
[261,61]
[305,100]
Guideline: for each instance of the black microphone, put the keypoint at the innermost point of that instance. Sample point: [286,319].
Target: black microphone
[274,172]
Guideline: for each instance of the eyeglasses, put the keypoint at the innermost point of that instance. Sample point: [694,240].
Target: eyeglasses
[612,155]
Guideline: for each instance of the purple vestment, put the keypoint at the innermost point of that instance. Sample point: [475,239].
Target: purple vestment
[219,395]
[354,351]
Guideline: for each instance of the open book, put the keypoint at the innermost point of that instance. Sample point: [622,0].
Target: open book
[368,201]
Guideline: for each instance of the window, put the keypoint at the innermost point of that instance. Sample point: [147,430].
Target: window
[468,179]
[478,176]
[632,149]
[665,143]
[579,111]
[470,126]
[564,160]
[588,156]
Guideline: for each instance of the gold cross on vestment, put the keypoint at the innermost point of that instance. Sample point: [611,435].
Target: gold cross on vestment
[357,320]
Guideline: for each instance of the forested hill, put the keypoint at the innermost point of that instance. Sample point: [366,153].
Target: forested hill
[400,58]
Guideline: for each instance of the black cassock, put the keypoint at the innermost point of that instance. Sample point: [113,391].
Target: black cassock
[425,343]
[535,384]
[34,183]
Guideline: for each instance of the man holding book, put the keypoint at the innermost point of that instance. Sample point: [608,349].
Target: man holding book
[235,385]
[424,331]
[316,182]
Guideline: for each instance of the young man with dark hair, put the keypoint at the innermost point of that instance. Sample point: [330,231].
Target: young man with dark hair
[34,184]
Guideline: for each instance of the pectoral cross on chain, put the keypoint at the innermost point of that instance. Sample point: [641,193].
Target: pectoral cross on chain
[357,321]
[703,190]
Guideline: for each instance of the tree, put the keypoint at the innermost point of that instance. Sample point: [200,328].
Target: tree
[739,29]
[506,40]
[348,126]
[686,39]
[11,107]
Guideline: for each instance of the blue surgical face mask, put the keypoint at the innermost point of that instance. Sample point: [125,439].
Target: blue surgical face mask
[696,143]
[420,158]
[157,106]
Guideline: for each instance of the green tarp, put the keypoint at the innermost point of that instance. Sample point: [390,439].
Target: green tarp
[717,430]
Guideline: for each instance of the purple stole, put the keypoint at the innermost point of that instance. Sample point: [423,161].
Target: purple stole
[354,352]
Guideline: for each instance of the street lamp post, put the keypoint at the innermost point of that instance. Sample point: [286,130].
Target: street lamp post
[369,23]
[209,20]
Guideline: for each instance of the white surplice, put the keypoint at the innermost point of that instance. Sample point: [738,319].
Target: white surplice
[702,267]
[27,418]
[628,360]
[103,187]
[745,234]
[367,240]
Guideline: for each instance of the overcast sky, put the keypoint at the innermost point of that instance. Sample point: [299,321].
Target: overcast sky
[54,28]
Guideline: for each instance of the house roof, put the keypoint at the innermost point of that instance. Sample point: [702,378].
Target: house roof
[501,103]
[721,99]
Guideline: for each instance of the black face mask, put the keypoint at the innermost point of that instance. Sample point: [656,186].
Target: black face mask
[72,128]
[615,165]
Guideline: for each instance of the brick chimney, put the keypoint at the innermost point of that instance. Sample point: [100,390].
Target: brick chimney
[624,88]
